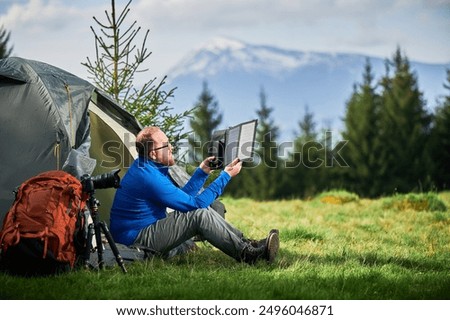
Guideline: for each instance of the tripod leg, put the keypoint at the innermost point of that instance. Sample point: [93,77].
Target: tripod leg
[113,246]
[98,240]
[87,250]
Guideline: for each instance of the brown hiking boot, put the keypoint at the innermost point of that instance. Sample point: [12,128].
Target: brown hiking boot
[272,245]
[266,248]
[251,254]
[259,243]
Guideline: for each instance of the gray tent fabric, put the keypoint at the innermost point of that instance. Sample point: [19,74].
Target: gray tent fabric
[44,115]
[47,117]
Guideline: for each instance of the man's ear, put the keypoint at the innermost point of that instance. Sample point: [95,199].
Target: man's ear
[152,155]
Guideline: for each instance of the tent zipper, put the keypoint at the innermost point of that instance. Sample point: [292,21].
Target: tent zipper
[57,151]
[69,98]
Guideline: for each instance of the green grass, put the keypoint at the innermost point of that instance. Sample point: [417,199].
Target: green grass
[356,249]
[417,202]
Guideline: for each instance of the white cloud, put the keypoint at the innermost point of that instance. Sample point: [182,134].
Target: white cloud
[365,26]
[50,31]
[57,31]
[41,16]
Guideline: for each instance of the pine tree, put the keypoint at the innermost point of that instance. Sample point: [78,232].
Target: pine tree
[267,133]
[5,52]
[440,144]
[264,178]
[206,118]
[301,175]
[118,60]
[361,131]
[404,130]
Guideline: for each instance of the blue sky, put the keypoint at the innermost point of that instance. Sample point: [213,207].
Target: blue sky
[57,31]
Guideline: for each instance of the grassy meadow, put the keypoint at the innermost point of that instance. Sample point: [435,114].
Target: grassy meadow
[335,246]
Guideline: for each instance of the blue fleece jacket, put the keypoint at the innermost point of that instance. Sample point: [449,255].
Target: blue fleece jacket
[146,191]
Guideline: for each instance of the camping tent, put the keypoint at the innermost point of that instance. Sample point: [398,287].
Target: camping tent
[50,120]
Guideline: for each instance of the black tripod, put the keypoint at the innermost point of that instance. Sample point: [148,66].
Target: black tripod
[98,227]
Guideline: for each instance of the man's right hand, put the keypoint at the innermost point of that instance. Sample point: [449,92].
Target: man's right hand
[234,167]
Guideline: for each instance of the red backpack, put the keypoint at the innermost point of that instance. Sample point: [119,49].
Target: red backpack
[39,229]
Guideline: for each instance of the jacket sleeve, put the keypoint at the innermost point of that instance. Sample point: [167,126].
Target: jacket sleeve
[196,182]
[161,190]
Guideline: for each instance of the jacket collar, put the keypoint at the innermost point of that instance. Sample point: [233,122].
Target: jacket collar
[148,162]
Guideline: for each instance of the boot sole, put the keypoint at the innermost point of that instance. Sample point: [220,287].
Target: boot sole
[273,244]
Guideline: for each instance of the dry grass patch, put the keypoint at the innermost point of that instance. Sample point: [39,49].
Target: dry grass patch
[337,197]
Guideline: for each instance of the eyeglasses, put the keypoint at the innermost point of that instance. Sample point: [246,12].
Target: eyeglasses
[164,146]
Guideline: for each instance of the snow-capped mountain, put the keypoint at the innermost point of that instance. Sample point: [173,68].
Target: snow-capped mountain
[224,54]
[236,72]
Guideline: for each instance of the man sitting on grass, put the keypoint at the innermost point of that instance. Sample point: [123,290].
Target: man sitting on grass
[138,215]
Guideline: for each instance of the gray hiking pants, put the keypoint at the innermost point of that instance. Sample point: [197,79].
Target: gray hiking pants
[172,235]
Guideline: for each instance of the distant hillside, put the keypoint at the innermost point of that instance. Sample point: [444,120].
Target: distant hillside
[236,71]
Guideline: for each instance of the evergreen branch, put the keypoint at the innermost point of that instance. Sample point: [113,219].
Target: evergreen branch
[124,13]
[101,24]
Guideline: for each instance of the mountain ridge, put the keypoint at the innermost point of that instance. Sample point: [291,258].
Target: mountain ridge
[236,72]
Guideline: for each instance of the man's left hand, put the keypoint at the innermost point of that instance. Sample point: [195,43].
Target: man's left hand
[205,165]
